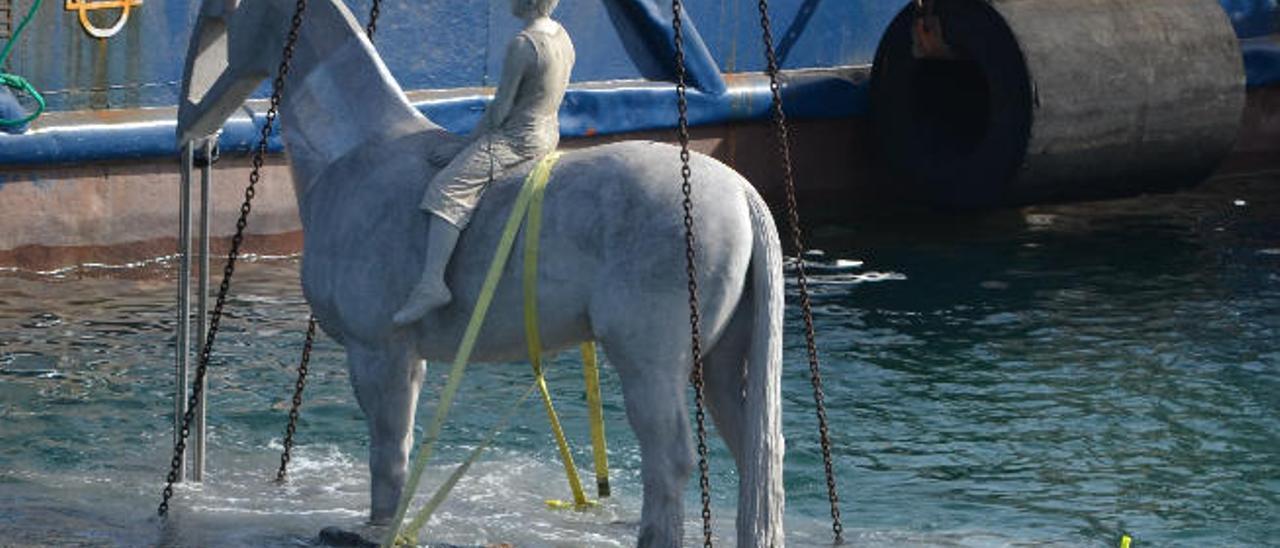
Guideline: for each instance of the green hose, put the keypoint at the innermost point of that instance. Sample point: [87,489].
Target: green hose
[17,82]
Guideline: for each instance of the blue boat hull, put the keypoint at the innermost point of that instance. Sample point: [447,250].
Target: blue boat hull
[97,172]
[625,45]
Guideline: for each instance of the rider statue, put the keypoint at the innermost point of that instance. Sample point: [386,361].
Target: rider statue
[521,124]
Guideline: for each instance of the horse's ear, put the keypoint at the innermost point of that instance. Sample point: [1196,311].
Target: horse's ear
[218,9]
[207,51]
[207,69]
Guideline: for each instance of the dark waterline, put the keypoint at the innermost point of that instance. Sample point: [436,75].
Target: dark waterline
[1057,375]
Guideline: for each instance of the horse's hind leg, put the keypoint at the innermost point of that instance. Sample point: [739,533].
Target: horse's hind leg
[724,367]
[386,381]
[726,392]
[653,384]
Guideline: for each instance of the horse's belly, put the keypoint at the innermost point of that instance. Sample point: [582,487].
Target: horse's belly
[354,296]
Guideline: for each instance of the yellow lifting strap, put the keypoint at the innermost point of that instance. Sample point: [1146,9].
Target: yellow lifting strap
[533,228]
[595,410]
[469,336]
[530,193]
[411,530]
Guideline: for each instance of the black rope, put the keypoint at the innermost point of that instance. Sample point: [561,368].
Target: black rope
[797,242]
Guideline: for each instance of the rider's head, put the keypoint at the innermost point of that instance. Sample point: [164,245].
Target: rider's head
[527,9]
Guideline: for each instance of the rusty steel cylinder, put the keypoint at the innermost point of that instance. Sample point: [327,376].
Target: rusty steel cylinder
[1050,100]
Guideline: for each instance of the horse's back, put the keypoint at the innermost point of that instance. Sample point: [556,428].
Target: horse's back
[613,240]
[616,198]
[612,225]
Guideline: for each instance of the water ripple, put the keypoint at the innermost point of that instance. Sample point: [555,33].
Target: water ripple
[1050,377]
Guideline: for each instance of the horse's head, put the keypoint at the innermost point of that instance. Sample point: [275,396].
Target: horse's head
[235,45]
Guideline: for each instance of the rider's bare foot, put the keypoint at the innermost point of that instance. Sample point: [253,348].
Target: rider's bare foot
[428,295]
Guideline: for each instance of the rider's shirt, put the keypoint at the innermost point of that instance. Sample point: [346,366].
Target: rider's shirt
[530,130]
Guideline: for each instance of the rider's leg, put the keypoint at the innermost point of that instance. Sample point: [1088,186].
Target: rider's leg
[431,291]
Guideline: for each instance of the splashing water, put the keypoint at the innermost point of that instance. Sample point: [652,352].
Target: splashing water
[1053,376]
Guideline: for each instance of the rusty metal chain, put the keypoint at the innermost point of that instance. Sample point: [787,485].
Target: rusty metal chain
[215,318]
[305,361]
[289,430]
[682,101]
[374,11]
[797,242]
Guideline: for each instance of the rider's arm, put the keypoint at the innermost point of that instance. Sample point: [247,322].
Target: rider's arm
[521,56]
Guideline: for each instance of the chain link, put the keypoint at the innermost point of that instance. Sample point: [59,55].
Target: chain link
[704,481]
[303,363]
[793,217]
[215,317]
[374,11]
[297,401]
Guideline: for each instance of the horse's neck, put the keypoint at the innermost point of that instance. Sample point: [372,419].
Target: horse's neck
[340,96]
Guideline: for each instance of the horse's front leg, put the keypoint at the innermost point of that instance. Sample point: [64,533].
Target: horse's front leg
[386,380]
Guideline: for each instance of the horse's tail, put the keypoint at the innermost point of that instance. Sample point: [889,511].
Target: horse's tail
[761,497]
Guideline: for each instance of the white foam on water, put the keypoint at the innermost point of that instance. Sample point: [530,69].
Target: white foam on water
[501,500]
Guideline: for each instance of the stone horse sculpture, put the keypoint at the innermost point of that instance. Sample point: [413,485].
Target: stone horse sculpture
[612,265]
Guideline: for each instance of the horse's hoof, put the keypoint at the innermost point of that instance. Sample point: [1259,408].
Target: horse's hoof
[335,536]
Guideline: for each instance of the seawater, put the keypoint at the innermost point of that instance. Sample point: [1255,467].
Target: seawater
[1051,376]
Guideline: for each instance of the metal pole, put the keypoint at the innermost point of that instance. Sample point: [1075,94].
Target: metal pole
[202,307]
[182,346]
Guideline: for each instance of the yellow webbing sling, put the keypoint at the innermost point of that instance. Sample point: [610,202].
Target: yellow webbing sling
[529,200]
[595,410]
[533,228]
